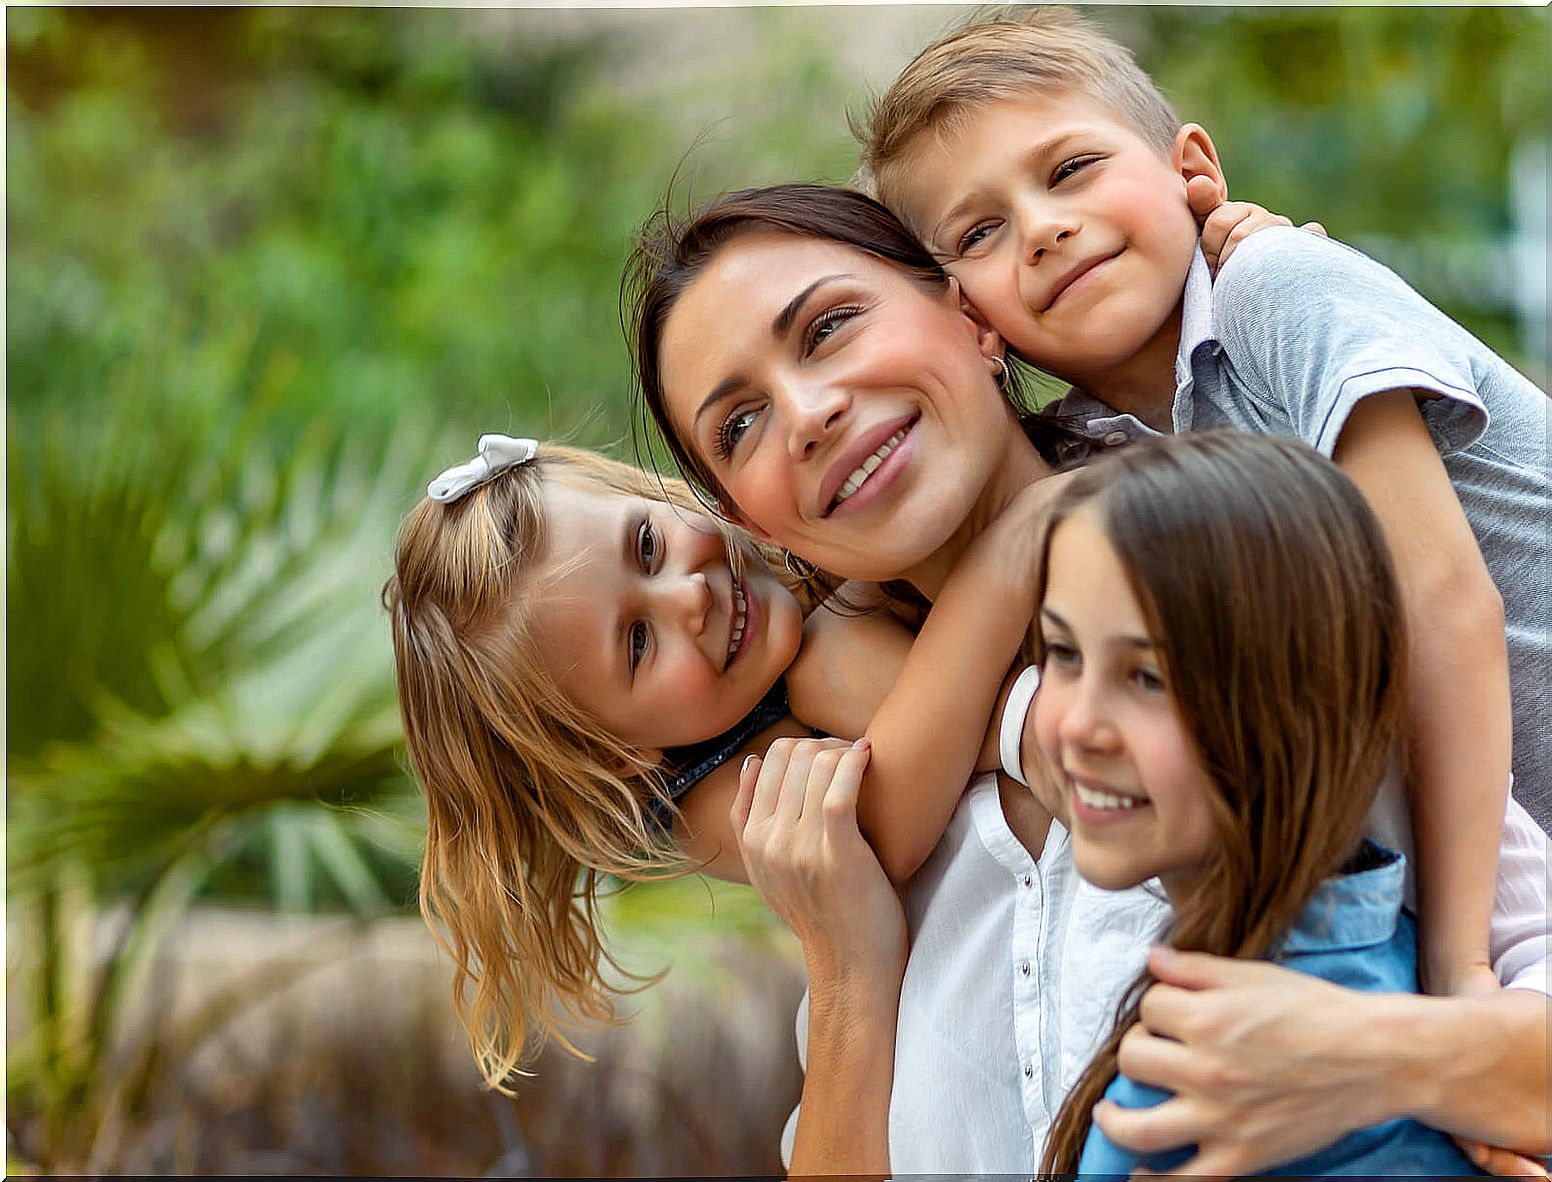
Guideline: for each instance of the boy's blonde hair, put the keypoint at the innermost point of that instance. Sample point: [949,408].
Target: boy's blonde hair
[529,802]
[1006,54]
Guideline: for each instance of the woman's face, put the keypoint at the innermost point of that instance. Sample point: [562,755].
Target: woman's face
[643,623]
[849,412]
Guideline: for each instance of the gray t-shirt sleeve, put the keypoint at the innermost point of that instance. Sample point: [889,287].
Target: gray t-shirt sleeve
[1312,327]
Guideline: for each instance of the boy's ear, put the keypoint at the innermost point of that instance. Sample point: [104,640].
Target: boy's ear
[987,338]
[1195,158]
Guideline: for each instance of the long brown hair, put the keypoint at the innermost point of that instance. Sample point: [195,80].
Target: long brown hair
[1268,588]
[673,250]
[530,803]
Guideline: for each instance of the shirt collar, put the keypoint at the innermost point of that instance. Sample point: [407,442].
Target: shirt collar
[1196,329]
[1196,321]
[1352,910]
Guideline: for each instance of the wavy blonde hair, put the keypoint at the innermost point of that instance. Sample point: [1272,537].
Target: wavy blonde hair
[530,803]
[1268,588]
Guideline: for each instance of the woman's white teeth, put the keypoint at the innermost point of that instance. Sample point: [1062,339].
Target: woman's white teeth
[740,614]
[1096,799]
[869,466]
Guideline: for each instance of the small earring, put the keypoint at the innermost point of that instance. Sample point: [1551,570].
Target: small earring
[798,568]
[1001,376]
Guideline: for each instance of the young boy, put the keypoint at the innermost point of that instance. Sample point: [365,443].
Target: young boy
[1050,177]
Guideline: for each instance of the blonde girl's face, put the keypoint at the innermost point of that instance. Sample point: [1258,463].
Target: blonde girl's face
[1135,792]
[643,624]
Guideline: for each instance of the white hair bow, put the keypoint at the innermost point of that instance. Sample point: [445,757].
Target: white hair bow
[497,453]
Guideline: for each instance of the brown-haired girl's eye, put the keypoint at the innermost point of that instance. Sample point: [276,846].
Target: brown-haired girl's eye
[648,545]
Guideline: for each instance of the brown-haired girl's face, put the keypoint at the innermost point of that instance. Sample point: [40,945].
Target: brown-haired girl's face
[848,411]
[643,624]
[1136,796]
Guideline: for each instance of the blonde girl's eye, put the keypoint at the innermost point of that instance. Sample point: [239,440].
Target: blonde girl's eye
[649,545]
[731,431]
[640,639]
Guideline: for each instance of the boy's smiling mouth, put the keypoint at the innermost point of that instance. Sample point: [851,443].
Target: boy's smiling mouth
[1074,273]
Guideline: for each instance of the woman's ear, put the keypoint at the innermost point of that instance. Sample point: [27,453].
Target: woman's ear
[987,338]
[1195,158]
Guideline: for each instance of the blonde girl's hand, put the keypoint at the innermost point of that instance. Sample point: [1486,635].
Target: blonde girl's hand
[795,820]
[1225,224]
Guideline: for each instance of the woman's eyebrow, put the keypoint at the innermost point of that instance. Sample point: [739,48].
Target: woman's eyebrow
[783,322]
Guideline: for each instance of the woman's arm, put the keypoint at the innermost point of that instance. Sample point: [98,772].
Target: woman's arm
[796,822]
[1268,1064]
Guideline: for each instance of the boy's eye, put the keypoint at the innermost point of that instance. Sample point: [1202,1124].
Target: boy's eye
[640,638]
[648,545]
[732,429]
[824,326]
[1068,167]
[975,235]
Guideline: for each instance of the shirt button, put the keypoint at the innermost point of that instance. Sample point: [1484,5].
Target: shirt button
[1027,881]
[1029,1071]
[1115,439]
[1024,968]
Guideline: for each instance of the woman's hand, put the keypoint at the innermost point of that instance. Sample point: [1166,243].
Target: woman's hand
[1225,224]
[1252,1090]
[795,820]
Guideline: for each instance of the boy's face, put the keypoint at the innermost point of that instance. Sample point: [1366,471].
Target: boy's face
[1067,230]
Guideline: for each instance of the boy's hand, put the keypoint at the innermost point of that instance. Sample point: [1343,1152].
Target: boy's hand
[1011,543]
[1226,224]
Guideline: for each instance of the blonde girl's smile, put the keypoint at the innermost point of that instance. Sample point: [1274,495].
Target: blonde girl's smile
[645,624]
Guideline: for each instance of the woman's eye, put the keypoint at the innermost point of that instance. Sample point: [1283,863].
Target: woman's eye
[732,430]
[1068,167]
[648,546]
[639,639]
[975,235]
[824,327]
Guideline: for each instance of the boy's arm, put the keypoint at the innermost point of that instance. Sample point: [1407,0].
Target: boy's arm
[1458,685]
[930,730]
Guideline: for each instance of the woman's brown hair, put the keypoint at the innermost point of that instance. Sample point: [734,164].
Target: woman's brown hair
[1268,589]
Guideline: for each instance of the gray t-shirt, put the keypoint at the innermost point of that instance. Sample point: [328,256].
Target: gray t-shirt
[1295,332]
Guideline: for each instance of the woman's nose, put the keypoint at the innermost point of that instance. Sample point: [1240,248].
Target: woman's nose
[815,409]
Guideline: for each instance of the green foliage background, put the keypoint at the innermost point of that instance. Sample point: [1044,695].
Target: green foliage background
[270,268]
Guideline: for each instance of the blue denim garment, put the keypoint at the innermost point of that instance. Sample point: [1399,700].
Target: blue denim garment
[1352,933]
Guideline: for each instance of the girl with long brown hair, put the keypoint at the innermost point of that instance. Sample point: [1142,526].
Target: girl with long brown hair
[1223,652]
